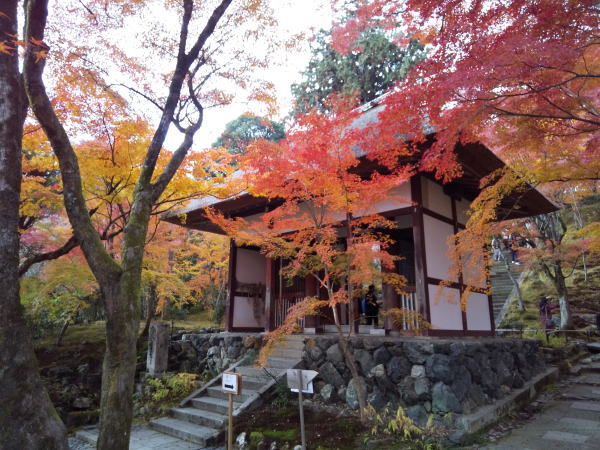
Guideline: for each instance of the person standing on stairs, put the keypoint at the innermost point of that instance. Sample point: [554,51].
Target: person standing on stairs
[496,252]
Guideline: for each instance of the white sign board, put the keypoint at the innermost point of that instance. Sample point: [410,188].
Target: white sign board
[294,377]
[232,383]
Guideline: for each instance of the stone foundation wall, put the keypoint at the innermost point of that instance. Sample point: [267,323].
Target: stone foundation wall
[210,352]
[424,375]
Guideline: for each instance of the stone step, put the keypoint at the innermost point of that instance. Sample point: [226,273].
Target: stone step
[200,417]
[258,373]
[181,429]
[294,344]
[216,392]
[282,363]
[215,405]
[284,352]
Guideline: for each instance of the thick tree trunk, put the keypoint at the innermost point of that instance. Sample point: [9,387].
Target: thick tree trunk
[566,319]
[118,369]
[28,419]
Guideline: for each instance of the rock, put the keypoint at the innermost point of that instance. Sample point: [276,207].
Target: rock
[407,391]
[250,342]
[443,399]
[335,354]
[215,350]
[379,374]
[462,382]
[84,368]
[330,374]
[233,352]
[422,387]
[273,446]
[376,399]
[438,368]
[381,355]
[341,392]
[316,354]
[298,447]
[417,371]
[365,360]
[327,393]
[397,368]
[352,394]
[417,414]
[417,352]
[241,441]
[82,403]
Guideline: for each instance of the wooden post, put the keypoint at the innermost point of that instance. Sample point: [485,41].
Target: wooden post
[301,410]
[230,424]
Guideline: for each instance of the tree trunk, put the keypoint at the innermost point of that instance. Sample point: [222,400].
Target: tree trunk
[28,419]
[515,283]
[118,369]
[566,319]
[362,402]
[61,334]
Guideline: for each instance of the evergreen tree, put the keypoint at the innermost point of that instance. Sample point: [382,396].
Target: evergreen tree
[371,69]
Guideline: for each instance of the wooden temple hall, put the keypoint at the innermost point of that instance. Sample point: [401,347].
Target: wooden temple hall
[258,297]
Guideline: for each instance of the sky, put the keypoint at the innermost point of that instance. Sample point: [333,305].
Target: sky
[293,17]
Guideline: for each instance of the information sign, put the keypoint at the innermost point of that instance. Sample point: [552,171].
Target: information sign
[232,383]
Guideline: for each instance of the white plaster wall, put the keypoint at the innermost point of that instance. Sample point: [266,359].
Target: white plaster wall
[462,207]
[398,197]
[473,267]
[244,314]
[444,306]
[435,199]
[436,247]
[478,313]
[250,266]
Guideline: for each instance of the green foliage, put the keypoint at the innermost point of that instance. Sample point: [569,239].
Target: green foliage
[247,128]
[367,73]
[402,427]
[65,288]
[160,394]
[282,395]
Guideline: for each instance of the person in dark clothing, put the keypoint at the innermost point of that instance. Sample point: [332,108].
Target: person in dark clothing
[371,307]
[545,313]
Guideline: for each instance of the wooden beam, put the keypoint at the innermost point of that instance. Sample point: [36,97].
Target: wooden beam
[419,242]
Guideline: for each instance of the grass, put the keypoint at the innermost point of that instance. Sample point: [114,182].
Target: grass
[196,321]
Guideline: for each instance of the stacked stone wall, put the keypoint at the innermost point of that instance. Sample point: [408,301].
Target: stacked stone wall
[424,375]
[210,353]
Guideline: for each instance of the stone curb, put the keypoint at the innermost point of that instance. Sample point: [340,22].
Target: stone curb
[487,415]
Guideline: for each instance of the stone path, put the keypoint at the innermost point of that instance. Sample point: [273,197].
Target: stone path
[144,438]
[569,420]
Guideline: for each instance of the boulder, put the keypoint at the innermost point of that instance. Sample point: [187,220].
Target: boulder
[397,368]
[438,368]
[381,355]
[327,393]
[365,360]
[418,351]
[443,399]
[334,353]
[462,382]
[417,414]
[316,354]
[330,374]
[377,399]
[352,394]
[407,391]
[422,387]
[417,371]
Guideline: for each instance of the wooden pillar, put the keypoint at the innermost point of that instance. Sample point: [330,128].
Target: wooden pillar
[312,324]
[269,295]
[231,285]
[390,301]
[461,284]
[418,228]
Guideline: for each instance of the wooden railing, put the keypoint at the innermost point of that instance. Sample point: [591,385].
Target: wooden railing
[282,304]
[410,306]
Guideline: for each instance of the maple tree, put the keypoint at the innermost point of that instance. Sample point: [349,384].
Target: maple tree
[68,108]
[326,227]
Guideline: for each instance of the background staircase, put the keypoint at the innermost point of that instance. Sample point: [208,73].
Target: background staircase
[503,288]
[201,418]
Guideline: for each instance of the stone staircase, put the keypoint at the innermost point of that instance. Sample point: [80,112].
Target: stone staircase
[202,417]
[502,285]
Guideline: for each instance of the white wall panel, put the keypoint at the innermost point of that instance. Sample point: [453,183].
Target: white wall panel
[444,306]
[250,266]
[473,267]
[462,207]
[436,247]
[478,313]
[435,199]
[248,312]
